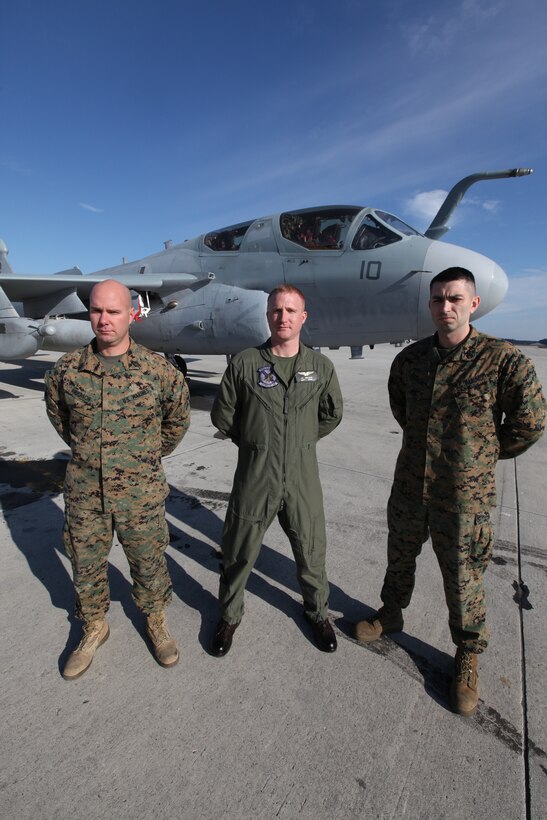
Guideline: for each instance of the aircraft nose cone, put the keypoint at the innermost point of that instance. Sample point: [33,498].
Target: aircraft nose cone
[497,290]
[492,285]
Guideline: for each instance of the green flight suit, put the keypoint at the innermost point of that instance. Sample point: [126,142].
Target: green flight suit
[460,413]
[276,426]
[118,420]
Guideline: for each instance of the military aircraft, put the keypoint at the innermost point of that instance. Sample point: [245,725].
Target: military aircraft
[365,274]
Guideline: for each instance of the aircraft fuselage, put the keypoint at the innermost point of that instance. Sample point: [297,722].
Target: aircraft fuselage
[364,272]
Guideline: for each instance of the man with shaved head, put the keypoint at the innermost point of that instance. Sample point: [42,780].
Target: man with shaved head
[120,408]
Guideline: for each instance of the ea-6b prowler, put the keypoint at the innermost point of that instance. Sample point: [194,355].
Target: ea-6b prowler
[364,272]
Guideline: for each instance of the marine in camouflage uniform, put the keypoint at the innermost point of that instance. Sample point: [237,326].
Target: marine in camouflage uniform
[461,409]
[119,415]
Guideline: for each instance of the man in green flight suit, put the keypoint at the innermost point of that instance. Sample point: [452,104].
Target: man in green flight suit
[463,400]
[120,408]
[275,402]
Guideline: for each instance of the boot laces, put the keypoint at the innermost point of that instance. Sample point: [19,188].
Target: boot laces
[91,633]
[464,665]
[158,629]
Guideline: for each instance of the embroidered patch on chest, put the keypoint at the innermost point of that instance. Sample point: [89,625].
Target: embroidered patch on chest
[306,376]
[267,377]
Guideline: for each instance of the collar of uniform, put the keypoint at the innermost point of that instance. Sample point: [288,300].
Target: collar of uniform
[266,352]
[90,361]
[465,351]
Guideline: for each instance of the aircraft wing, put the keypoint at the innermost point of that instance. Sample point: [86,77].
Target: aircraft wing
[60,293]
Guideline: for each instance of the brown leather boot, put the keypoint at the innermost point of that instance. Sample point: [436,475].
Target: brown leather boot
[378,625]
[95,634]
[464,690]
[165,648]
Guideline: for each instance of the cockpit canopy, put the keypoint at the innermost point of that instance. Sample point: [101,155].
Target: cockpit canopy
[227,239]
[374,233]
[323,229]
[318,228]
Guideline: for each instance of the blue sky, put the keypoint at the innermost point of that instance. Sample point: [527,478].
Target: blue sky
[129,123]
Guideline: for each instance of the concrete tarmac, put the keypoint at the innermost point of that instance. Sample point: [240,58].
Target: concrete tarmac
[277,729]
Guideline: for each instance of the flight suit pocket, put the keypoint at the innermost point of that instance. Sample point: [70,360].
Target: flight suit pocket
[251,482]
[308,469]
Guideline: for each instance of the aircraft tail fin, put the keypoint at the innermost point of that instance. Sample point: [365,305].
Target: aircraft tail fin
[5,266]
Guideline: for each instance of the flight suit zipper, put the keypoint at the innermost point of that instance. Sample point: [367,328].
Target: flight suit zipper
[285,438]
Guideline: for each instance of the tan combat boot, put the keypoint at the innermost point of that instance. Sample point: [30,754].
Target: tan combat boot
[464,690]
[376,626]
[95,634]
[165,648]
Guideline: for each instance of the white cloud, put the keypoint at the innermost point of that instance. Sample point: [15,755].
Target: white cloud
[14,166]
[480,10]
[526,292]
[91,208]
[491,206]
[424,205]
[439,32]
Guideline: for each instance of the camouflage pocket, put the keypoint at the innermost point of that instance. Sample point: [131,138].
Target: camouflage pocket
[482,545]
[475,402]
[476,397]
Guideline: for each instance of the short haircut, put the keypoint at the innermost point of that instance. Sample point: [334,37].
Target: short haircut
[452,275]
[286,288]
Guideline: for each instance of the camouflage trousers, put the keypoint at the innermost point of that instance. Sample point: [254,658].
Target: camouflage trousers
[144,537]
[463,544]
